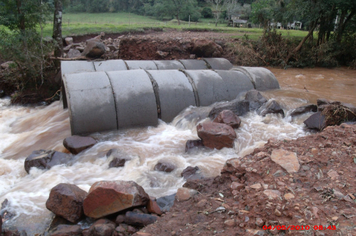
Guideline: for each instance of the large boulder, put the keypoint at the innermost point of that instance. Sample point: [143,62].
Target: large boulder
[75,144]
[108,197]
[206,48]
[94,49]
[45,159]
[66,200]
[216,135]
[229,118]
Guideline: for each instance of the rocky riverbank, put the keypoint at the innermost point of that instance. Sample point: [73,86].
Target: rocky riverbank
[289,186]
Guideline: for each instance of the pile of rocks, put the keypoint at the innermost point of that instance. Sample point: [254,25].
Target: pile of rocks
[92,48]
[327,113]
[218,132]
[118,208]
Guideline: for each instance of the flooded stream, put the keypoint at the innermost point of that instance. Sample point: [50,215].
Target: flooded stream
[25,129]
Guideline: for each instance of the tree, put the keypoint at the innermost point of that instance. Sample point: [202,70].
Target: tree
[262,12]
[23,14]
[179,9]
[217,9]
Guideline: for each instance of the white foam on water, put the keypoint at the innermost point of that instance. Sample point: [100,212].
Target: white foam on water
[29,129]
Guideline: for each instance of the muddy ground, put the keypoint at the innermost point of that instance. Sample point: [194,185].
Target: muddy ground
[256,196]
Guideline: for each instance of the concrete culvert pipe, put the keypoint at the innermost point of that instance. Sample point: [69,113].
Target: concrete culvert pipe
[68,67]
[102,101]
[262,78]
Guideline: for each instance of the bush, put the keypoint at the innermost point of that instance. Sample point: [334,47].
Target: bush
[29,53]
[207,12]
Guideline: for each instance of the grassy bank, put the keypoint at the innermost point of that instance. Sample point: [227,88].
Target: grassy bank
[88,23]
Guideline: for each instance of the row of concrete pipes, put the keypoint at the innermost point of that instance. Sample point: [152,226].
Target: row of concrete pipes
[118,94]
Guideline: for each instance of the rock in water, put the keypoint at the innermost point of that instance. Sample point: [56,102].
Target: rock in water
[164,167]
[66,200]
[271,107]
[216,135]
[304,109]
[45,159]
[229,118]
[75,144]
[108,197]
[316,121]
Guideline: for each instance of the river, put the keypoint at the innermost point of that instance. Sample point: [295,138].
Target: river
[25,129]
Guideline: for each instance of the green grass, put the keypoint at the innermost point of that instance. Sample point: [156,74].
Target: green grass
[92,23]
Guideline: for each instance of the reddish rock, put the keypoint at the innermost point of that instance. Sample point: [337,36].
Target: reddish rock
[192,144]
[139,219]
[184,194]
[164,167]
[288,160]
[76,144]
[67,230]
[153,207]
[45,159]
[216,135]
[102,227]
[66,200]
[229,118]
[108,197]
[124,229]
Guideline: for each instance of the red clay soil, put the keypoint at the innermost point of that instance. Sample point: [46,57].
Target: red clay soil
[319,199]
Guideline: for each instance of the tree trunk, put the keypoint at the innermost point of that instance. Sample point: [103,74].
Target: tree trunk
[177,16]
[57,30]
[22,25]
[311,31]
[342,25]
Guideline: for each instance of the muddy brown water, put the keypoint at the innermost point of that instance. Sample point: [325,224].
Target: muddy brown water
[24,129]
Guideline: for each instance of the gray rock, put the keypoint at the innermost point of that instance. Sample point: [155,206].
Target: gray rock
[192,173]
[94,49]
[271,107]
[139,219]
[119,158]
[45,159]
[304,109]
[255,99]
[164,167]
[316,121]
[73,53]
[237,106]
